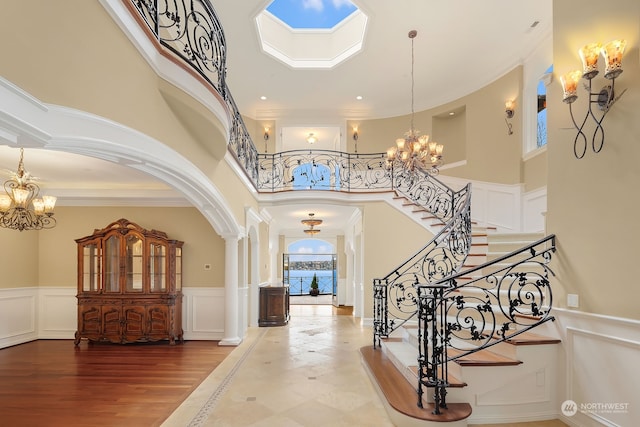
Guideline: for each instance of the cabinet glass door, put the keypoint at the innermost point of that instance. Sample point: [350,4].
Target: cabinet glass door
[90,267]
[158,267]
[178,269]
[112,264]
[134,264]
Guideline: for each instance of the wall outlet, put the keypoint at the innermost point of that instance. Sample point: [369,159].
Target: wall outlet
[573,300]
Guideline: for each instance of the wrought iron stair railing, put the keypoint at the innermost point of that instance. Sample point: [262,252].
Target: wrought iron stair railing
[478,308]
[396,295]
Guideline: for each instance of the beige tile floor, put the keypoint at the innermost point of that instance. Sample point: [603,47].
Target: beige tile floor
[307,374]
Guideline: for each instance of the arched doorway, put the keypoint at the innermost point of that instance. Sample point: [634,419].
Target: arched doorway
[306,259]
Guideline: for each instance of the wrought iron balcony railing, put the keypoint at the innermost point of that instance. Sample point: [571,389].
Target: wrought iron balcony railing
[191,31]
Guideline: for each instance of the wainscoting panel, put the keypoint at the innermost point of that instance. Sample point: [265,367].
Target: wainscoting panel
[600,374]
[57,313]
[18,313]
[492,204]
[534,206]
[203,313]
[503,208]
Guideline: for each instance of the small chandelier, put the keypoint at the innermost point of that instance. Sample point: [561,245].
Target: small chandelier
[311,222]
[16,211]
[414,151]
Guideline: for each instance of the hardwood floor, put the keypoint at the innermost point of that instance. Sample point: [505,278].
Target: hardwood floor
[53,383]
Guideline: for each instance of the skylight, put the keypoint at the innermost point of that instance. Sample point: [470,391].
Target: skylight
[311,33]
[311,14]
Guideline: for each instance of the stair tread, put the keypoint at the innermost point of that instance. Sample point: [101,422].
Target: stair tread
[482,358]
[530,338]
[453,381]
[401,395]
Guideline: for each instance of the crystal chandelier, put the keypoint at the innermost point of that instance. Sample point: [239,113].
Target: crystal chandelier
[20,209]
[414,151]
[311,222]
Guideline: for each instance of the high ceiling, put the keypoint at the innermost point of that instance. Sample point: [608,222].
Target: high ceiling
[462,45]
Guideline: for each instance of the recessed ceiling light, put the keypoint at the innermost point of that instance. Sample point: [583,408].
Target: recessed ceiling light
[359,98]
[451,113]
[263,97]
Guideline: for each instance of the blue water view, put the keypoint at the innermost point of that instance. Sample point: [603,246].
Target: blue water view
[300,281]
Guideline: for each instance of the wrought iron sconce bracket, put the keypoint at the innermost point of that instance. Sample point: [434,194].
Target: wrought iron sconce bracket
[612,53]
[604,100]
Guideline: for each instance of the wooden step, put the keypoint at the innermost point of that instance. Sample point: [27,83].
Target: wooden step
[482,358]
[453,381]
[401,395]
[530,338]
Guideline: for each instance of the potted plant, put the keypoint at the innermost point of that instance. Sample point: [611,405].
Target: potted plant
[313,289]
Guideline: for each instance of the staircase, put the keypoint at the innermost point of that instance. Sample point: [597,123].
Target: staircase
[454,322]
[512,380]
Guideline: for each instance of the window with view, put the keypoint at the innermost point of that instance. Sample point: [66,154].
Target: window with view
[541,138]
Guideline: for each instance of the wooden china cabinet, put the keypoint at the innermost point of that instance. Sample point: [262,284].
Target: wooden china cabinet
[129,285]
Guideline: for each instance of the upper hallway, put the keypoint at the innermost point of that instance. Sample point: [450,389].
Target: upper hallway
[115,71]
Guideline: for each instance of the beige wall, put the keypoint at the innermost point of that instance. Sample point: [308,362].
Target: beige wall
[82,60]
[534,172]
[49,257]
[476,133]
[451,131]
[234,191]
[256,130]
[593,203]
[389,240]
[19,258]
[104,74]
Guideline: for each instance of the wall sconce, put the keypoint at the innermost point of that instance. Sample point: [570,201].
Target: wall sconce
[311,139]
[612,53]
[355,136]
[266,137]
[509,111]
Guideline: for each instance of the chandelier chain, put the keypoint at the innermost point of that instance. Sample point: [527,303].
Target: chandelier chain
[415,152]
[411,129]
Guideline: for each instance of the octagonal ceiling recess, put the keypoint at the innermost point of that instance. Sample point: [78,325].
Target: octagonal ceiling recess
[309,47]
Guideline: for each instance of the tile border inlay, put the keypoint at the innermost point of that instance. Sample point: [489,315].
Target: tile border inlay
[204,412]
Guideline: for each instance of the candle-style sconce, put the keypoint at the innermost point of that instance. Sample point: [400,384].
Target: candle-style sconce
[509,111]
[612,53]
[355,137]
[266,137]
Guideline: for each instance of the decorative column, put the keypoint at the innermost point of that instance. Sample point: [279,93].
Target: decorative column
[231,291]
[254,286]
